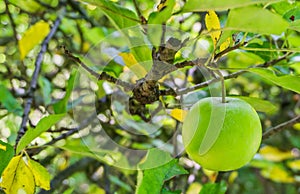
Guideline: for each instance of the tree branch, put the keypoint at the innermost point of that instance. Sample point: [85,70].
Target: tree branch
[230,76]
[102,76]
[280,127]
[78,166]
[70,132]
[138,11]
[33,82]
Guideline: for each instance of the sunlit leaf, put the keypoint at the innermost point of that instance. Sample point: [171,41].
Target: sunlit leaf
[163,14]
[225,44]
[232,177]
[9,102]
[291,82]
[133,65]
[193,188]
[274,154]
[277,173]
[29,5]
[151,176]
[43,125]
[120,16]
[204,5]
[40,173]
[242,59]
[259,104]
[213,24]
[212,175]
[296,126]
[6,154]
[33,36]
[263,21]
[214,188]
[178,114]
[17,177]
[295,164]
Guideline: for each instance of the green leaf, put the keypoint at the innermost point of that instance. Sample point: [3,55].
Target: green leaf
[290,82]
[33,36]
[17,177]
[151,180]
[214,188]
[161,16]
[61,106]
[9,102]
[263,21]
[40,173]
[121,17]
[29,5]
[204,5]
[259,104]
[241,59]
[45,85]
[6,154]
[43,125]
[295,25]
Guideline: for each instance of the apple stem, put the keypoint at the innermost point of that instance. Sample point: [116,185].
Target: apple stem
[223,85]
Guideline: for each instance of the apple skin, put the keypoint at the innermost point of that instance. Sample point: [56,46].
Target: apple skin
[221,136]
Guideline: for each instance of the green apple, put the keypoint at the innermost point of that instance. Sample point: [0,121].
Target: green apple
[221,136]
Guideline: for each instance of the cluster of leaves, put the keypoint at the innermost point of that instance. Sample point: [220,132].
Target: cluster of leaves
[255,42]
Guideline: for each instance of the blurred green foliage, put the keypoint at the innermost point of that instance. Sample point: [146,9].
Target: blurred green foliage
[73,149]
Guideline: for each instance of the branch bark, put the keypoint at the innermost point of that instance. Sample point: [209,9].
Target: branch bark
[280,127]
[33,82]
[230,76]
[81,165]
[102,76]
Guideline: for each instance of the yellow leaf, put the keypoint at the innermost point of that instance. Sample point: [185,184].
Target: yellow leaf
[213,24]
[178,114]
[33,36]
[2,147]
[41,175]
[225,44]
[295,165]
[17,177]
[194,188]
[133,65]
[212,175]
[278,174]
[274,154]
[232,177]
[297,126]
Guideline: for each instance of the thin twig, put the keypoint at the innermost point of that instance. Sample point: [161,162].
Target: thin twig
[70,132]
[33,82]
[138,11]
[230,76]
[280,127]
[76,6]
[227,50]
[98,76]
[207,83]
[78,166]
